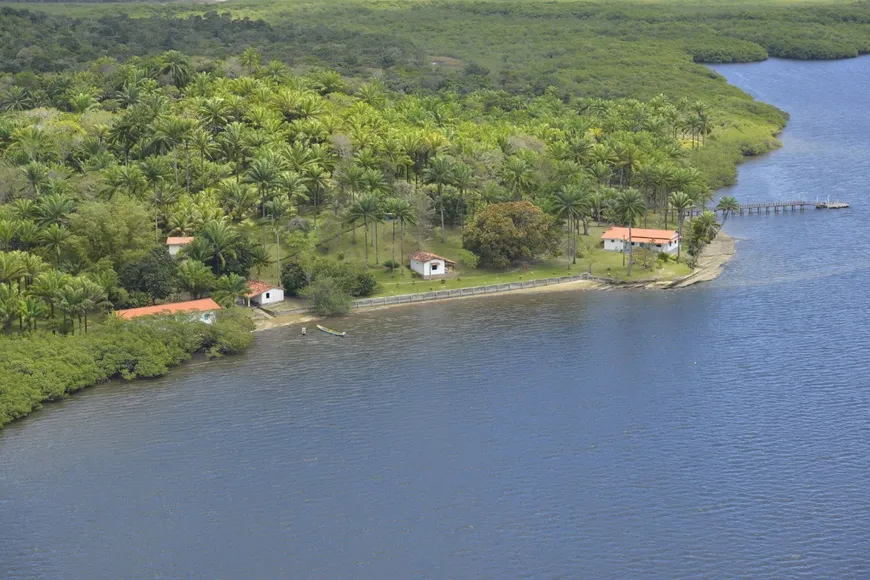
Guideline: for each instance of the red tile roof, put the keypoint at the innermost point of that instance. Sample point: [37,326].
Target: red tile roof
[257,287]
[426,256]
[178,241]
[204,305]
[641,235]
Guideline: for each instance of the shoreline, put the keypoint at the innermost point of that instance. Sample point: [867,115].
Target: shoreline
[710,265]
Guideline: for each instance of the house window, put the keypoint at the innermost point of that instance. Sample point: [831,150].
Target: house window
[658,245]
[267,295]
[434,267]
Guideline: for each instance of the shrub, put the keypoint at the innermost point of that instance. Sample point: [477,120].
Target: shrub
[231,333]
[391,265]
[355,279]
[328,296]
[43,367]
[363,284]
[293,278]
[468,259]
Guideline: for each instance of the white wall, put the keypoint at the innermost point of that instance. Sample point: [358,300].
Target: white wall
[272,296]
[617,246]
[174,249]
[613,245]
[426,269]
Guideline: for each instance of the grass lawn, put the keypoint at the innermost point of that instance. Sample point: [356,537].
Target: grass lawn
[591,258]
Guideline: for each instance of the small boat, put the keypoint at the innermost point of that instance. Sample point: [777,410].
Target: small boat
[330,331]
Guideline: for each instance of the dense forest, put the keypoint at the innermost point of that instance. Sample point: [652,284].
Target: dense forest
[37,42]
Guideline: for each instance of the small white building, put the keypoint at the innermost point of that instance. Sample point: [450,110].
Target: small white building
[262,293]
[616,240]
[430,265]
[175,244]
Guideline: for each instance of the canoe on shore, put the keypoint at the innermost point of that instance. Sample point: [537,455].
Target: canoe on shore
[330,331]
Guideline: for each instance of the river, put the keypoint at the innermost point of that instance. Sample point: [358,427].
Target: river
[714,432]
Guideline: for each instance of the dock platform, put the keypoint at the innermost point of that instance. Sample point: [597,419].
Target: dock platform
[770,206]
[832,205]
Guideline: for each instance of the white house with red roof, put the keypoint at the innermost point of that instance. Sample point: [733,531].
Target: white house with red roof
[616,239]
[203,310]
[176,243]
[430,265]
[262,293]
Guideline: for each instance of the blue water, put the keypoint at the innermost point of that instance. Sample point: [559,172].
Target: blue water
[716,432]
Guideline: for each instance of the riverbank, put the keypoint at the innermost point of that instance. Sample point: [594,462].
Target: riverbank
[710,265]
[42,367]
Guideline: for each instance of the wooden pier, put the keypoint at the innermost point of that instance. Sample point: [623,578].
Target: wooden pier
[771,207]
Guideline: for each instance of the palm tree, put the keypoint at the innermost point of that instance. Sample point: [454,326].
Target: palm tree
[250,59]
[25,209]
[630,206]
[263,174]
[177,67]
[195,278]
[94,297]
[8,232]
[54,209]
[71,301]
[47,286]
[213,112]
[517,174]
[233,142]
[317,180]
[705,227]
[440,171]
[229,289]
[366,209]
[292,184]
[277,210]
[222,240]
[12,268]
[260,258]
[569,203]
[55,239]
[727,205]
[463,179]
[9,306]
[392,206]
[681,201]
[36,175]
[126,178]
[33,266]
[30,310]
[16,99]
[204,144]
[155,172]
[169,134]
[405,214]
[237,199]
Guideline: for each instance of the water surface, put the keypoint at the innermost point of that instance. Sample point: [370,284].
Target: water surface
[715,432]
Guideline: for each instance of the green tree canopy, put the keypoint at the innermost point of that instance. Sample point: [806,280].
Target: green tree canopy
[505,233]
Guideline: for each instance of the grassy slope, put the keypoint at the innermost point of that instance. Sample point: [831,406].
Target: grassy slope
[591,258]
